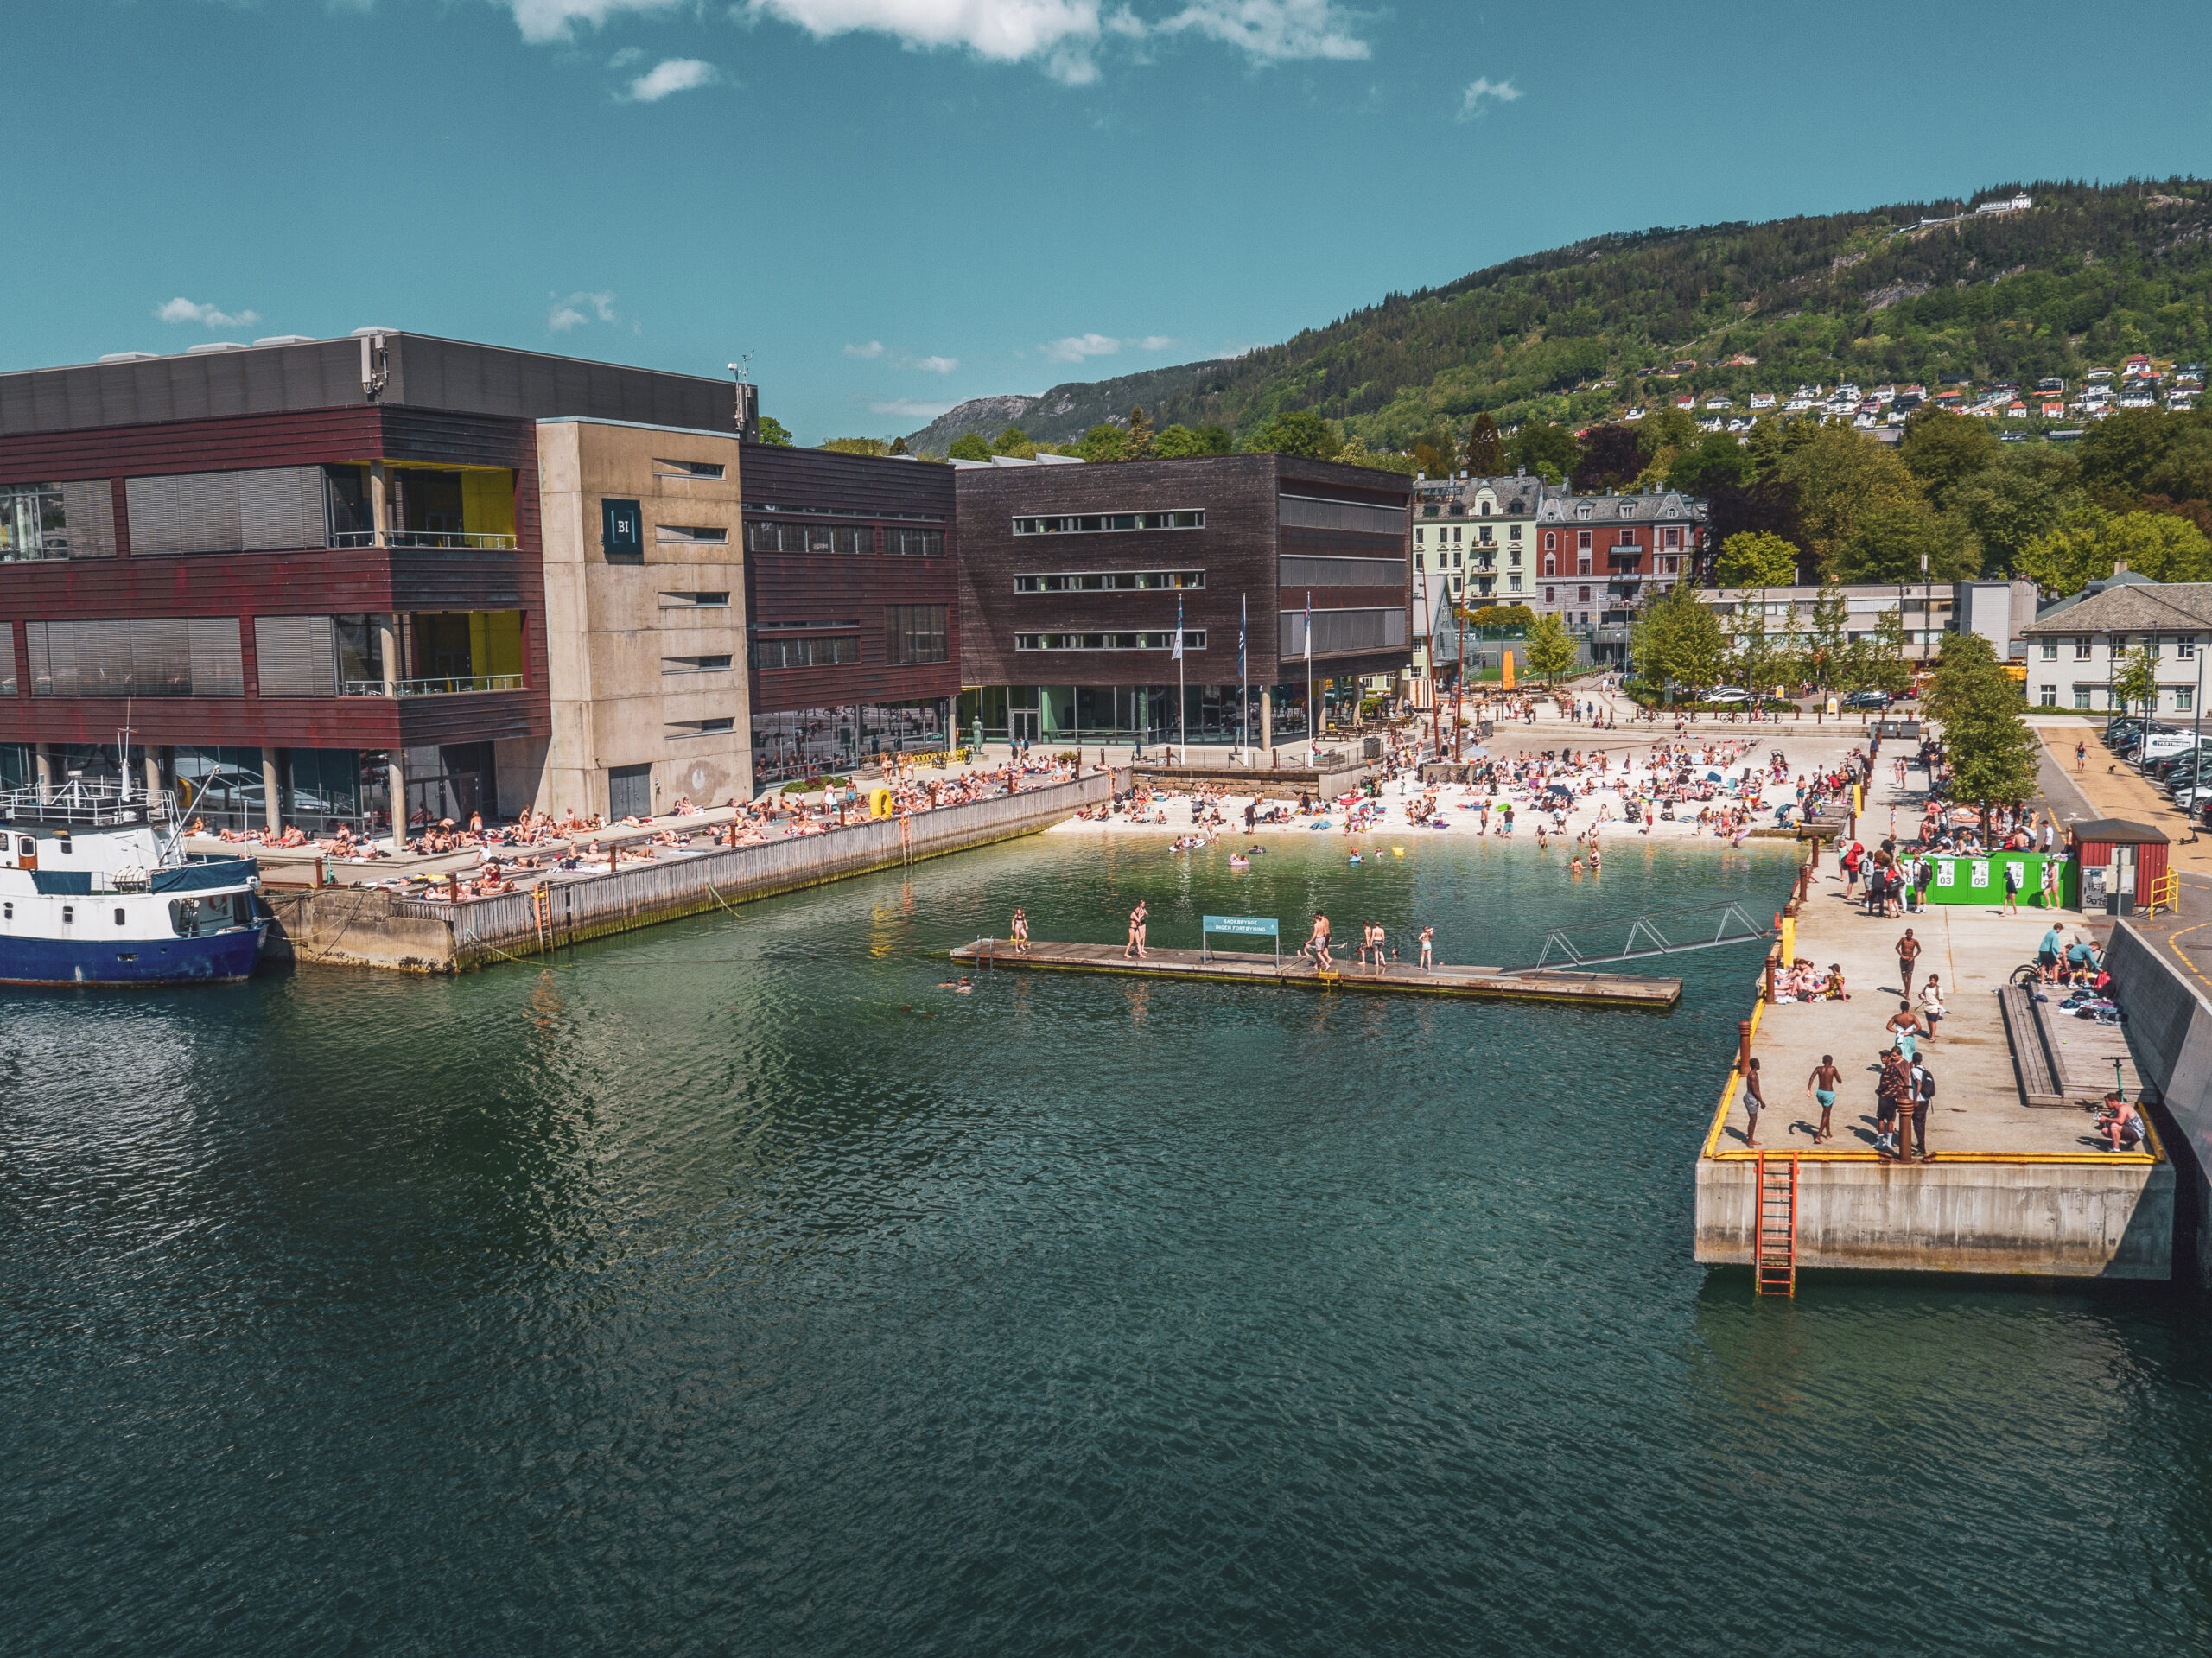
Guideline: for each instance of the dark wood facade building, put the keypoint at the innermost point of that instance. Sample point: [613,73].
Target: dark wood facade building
[1072,579]
[852,607]
[303,574]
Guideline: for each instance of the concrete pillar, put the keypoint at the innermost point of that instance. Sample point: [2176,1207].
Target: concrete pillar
[1268,718]
[153,776]
[379,504]
[271,807]
[388,648]
[43,758]
[396,784]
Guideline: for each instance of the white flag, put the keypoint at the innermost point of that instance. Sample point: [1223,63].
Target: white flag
[1178,656]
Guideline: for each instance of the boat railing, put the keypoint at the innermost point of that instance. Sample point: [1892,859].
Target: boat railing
[91,803]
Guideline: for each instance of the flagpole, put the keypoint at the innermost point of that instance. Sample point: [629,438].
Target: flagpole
[1182,694]
[1313,719]
[1243,683]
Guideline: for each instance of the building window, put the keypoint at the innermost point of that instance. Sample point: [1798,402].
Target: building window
[2051,697]
[40,521]
[2185,700]
[1419,535]
[1487,538]
[1582,595]
[688,468]
[792,653]
[2081,696]
[1551,540]
[2081,654]
[816,538]
[916,632]
[694,664]
[696,534]
[702,727]
[1551,564]
[1671,539]
[1194,638]
[914,543]
[1101,523]
[694,601]
[1513,584]
[1626,537]
[2185,650]
[171,656]
[1114,580]
[1582,540]
[2051,649]
[1551,595]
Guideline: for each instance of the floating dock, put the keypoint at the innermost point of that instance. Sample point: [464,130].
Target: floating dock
[1396,978]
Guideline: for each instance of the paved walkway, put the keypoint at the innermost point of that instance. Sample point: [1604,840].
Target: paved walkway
[1973,950]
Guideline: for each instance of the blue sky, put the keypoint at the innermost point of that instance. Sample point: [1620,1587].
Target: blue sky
[898,204]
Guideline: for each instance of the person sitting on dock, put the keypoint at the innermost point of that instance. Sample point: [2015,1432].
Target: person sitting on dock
[2119,1124]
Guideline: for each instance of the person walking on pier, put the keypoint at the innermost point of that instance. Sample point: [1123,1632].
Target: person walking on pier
[1905,1026]
[1819,1088]
[1923,1089]
[1908,953]
[1318,945]
[1137,917]
[1754,1103]
[1888,1096]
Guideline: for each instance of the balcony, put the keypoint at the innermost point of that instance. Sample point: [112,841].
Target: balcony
[446,685]
[447,539]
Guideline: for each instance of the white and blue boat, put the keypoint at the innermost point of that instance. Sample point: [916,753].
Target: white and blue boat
[95,889]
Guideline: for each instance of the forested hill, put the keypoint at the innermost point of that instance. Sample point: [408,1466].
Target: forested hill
[2087,276]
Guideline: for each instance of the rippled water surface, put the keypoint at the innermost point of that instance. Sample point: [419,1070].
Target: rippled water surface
[729,1287]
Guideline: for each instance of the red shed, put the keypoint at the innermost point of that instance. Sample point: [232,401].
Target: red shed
[2122,864]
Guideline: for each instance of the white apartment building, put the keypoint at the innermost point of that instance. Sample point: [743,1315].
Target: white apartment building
[2076,647]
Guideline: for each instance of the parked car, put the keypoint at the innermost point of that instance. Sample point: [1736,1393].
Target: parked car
[1867,699]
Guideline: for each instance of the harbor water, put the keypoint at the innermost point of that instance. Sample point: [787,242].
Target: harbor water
[729,1286]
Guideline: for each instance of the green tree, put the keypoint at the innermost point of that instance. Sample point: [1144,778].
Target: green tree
[1840,477]
[1943,450]
[1551,647]
[1992,752]
[1434,452]
[1487,456]
[1682,639]
[898,446]
[1179,440]
[1826,637]
[1518,616]
[1753,558]
[1302,433]
[2006,508]
[1888,544]
[2136,685]
[969,446]
[1667,428]
[1102,443]
[1714,461]
[2088,544]
[1543,449]
[1016,442]
[774,433]
[1136,441]
[860,446]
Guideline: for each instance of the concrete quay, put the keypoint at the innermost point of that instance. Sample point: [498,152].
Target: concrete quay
[352,926]
[2015,1187]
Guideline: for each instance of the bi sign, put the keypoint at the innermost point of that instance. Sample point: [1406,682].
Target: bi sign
[622,529]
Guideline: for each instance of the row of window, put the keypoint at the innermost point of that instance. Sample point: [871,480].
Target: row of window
[1451,535]
[1109,581]
[2185,650]
[1194,638]
[2184,697]
[897,543]
[804,653]
[1088,523]
[912,633]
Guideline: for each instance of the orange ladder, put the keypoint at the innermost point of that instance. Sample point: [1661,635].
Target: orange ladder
[1775,1248]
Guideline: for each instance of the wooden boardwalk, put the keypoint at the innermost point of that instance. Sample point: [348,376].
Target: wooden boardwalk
[1398,978]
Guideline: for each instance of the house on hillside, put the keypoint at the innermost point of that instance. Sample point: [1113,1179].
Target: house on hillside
[2018,204]
[1762,400]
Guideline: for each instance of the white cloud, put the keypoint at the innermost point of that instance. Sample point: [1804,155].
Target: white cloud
[1061,35]
[1271,31]
[671,75]
[909,408]
[1078,346]
[545,21]
[1060,32]
[873,348]
[933,364]
[626,57]
[181,309]
[570,313]
[1471,101]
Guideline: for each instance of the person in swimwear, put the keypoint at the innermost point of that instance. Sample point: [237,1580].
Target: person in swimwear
[1136,932]
[1020,925]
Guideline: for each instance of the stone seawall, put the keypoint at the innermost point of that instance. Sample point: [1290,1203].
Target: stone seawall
[2169,1034]
[357,927]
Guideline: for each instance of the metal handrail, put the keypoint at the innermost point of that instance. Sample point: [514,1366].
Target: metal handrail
[443,685]
[443,539]
[98,802]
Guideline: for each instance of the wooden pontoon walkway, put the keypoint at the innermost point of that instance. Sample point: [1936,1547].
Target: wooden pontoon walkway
[1403,978]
